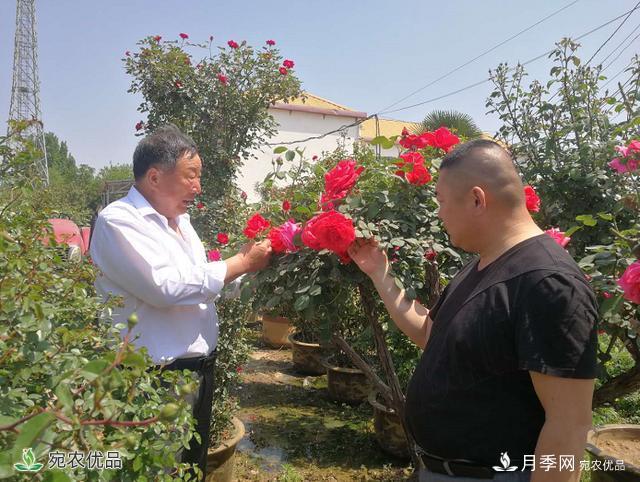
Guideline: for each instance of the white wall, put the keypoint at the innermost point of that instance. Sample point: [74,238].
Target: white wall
[293,126]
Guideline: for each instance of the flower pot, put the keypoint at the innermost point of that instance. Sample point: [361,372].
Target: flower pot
[388,428]
[307,357]
[220,460]
[344,384]
[276,331]
[610,443]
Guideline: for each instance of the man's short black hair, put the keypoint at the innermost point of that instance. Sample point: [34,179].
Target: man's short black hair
[463,151]
[162,148]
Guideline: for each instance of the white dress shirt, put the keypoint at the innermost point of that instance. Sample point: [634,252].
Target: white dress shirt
[164,277]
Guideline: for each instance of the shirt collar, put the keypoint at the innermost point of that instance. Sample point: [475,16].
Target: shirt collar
[145,208]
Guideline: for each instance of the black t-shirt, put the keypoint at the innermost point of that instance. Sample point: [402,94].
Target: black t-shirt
[471,396]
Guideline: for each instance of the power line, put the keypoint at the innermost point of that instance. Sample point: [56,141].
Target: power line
[614,32]
[475,84]
[618,46]
[320,136]
[620,53]
[480,55]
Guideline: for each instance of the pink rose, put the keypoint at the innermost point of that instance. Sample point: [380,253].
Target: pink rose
[282,237]
[214,255]
[184,36]
[558,236]
[232,44]
[630,282]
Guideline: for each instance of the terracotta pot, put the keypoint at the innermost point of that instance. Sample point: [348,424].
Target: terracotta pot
[307,357]
[276,331]
[388,428]
[610,443]
[220,460]
[344,384]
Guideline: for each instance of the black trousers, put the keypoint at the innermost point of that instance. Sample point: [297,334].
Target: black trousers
[204,367]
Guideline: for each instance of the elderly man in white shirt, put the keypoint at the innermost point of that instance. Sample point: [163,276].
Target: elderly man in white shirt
[148,253]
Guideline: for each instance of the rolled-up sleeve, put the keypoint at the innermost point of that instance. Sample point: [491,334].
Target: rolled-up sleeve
[141,266]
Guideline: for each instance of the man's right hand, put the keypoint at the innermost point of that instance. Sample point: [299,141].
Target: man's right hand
[370,258]
[256,256]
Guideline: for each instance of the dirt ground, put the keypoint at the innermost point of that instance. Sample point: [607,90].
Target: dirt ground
[295,433]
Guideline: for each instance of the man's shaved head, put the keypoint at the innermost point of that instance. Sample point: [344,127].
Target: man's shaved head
[485,164]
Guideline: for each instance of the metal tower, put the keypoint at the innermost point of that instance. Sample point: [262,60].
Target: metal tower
[25,91]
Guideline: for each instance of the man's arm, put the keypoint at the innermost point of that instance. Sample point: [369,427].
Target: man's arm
[567,407]
[410,316]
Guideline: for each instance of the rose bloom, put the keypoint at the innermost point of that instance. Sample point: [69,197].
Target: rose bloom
[255,226]
[282,237]
[419,175]
[288,64]
[330,230]
[630,282]
[629,165]
[232,44]
[533,201]
[283,71]
[286,205]
[443,139]
[184,36]
[214,255]
[340,180]
[222,238]
[200,205]
[157,38]
[558,236]
[139,125]
[413,141]
[271,42]
[222,79]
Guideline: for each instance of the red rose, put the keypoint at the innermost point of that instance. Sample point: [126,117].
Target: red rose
[178,84]
[139,125]
[282,237]
[419,175]
[413,141]
[255,226]
[533,201]
[405,132]
[214,255]
[286,206]
[283,71]
[232,44]
[606,295]
[444,139]
[200,205]
[184,36]
[271,42]
[288,64]
[340,180]
[222,238]
[314,158]
[430,254]
[330,230]
[410,157]
[222,79]
[157,38]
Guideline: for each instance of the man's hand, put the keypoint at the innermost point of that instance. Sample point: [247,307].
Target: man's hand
[256,255]
[370,258]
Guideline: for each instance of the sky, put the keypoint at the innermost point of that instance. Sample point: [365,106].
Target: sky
[364,55]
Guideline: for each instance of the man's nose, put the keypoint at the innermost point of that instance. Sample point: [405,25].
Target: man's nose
[196,187]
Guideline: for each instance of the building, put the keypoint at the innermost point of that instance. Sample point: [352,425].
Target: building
[303,123]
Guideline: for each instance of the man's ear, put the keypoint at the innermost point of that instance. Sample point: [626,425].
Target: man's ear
[479,197]
[153,176]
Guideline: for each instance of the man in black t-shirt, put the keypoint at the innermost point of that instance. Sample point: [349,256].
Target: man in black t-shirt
[503,389]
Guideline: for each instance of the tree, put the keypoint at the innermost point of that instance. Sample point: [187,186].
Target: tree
[459,122]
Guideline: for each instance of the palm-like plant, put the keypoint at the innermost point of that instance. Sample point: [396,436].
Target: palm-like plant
[460,123]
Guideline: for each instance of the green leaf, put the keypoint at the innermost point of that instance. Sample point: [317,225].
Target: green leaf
[606,216]
[64,395]
[587,219]
[301,303]
[56,475]
[134,359]
[572,229]
[612,305]
[279,150]
[30,431]
[315,290]
[379,140]
[290,156]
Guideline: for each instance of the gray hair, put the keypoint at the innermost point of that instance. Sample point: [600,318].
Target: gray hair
[162,148]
